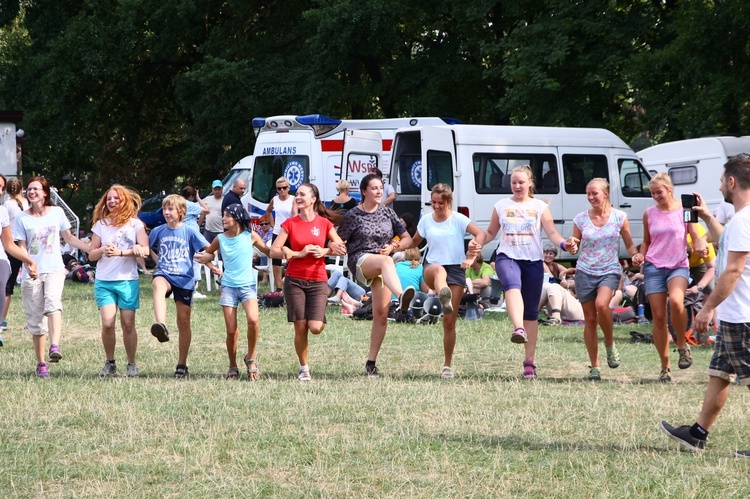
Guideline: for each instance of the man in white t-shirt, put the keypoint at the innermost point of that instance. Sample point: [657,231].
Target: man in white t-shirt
[213,226]
[731,299]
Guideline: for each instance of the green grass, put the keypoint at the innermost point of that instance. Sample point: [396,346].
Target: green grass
[488,433]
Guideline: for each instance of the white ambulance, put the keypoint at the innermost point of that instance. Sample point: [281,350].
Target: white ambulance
[477,160]
[308,149]
[695,165]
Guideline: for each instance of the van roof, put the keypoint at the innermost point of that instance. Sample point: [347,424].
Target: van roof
[489,135]
[692,150]
[324,125]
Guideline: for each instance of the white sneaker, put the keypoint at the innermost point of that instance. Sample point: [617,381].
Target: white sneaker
[199,296]
[132,370]
[304,375]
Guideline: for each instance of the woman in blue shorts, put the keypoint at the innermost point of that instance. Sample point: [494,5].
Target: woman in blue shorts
[119,237]
[238,284]
[520,219]
[598,269]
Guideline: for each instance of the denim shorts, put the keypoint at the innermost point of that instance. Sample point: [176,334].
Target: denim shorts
[587,285]
[731,352]
[231,297]
[655,279]
[125,295]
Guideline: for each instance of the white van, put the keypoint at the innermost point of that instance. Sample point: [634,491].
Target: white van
[476,161]
[695,165]
[308,149]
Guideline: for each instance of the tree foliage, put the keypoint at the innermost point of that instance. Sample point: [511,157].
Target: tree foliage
[156,94]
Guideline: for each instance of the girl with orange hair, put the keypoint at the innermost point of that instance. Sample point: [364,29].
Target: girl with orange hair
[119,237]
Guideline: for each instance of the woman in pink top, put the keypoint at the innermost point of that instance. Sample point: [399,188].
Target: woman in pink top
[666,271]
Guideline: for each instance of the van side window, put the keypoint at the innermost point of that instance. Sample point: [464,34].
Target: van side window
[683,175]
[579,169]
[439,169]
[268,168]
[492,172]
[634,180]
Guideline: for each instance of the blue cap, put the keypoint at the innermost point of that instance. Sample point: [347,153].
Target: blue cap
[217,183]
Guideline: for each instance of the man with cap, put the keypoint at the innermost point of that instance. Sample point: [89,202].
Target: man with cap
[213,226]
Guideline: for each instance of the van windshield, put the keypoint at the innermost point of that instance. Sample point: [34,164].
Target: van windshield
[296,169]
[634,180]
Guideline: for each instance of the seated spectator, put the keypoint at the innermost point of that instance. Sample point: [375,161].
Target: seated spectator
[701,268]
[478,278]
[80,273]
[346,291]
[555,272]
[265,231]
[561,304]
[410,272]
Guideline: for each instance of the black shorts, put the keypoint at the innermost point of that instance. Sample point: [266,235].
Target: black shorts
[456,275]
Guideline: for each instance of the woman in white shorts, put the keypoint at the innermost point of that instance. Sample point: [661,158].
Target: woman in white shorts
[38,230]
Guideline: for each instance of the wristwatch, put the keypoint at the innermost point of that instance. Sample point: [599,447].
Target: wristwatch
[700,288]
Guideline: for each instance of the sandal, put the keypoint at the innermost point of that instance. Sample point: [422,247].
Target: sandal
[519,336]
[253,373]
[448,372]
[233,373]
[529,369]
[181,372]
[159,330]
[686,360]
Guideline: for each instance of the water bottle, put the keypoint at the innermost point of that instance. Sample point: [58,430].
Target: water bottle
[641,311]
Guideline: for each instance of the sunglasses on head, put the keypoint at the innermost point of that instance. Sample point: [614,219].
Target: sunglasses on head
[282,188]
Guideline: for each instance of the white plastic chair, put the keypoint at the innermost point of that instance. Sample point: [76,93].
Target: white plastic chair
[210,275]
[339,264]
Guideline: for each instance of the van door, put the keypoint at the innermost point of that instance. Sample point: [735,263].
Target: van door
[631,193]
[406,171]
[439,154]
[361,154]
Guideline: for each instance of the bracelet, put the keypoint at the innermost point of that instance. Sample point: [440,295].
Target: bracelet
[562,245]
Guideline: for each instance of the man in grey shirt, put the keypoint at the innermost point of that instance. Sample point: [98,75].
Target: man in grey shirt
[213,226]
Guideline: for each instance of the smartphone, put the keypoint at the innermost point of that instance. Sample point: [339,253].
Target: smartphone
[688,215]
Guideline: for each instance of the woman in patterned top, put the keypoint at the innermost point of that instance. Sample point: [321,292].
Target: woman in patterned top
[598,269]
[38,230]
[369,230]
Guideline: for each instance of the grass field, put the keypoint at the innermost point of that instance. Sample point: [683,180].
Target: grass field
[488,433]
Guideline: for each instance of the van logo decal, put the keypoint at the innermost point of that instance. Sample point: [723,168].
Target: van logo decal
[295,174]
[416,173]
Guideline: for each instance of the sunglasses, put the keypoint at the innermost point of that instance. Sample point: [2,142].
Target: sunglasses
[282,188]
[265,223]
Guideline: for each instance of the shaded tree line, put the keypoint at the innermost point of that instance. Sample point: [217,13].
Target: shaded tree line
[152,94]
